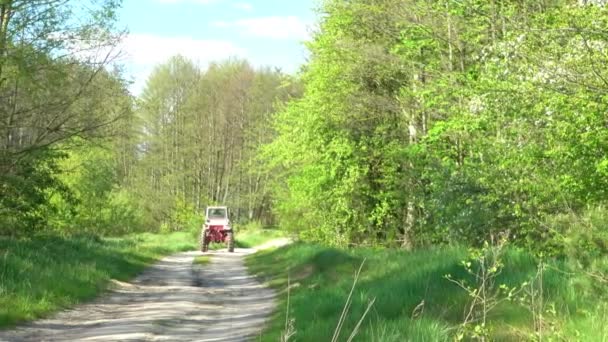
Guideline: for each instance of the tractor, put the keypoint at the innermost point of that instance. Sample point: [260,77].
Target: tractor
[217,229]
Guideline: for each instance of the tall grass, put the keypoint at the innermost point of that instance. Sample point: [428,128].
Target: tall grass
[254,237]
[414,300]
[47,273]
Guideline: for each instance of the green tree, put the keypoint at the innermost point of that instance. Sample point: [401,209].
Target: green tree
[50,65]
[200,131]
[444,121]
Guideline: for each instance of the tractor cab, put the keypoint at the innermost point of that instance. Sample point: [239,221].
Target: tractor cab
[217,215]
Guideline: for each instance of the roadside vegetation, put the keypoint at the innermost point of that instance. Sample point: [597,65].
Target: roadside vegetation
[426,130]
[255,234]
[47,273]
[415,299]
[202,260]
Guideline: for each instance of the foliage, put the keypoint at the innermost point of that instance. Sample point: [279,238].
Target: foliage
[251,226]
[96,202]
[54,87]
[24,194]
[199,134]
[583,236]
[582,240]
[447,121]
[484,265]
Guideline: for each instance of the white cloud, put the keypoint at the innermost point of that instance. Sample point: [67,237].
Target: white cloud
[152,49]
[289,27]
[243,6]
[142,52]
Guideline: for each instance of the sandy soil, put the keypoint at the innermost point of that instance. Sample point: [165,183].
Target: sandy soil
[173,300]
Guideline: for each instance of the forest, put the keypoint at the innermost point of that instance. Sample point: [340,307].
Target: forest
[414,123]
[426,122]
[81,155]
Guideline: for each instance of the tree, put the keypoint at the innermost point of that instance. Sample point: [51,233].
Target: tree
[200,135]
[50,64]
[443,121]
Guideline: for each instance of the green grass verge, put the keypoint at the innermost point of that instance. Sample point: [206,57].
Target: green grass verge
[321,279]
[202,260]
[41,275]
[256,237]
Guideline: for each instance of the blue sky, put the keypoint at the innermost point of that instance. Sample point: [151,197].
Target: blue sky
[266,32]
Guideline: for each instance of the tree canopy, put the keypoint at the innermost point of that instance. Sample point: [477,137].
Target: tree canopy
[444,121]
[414,122]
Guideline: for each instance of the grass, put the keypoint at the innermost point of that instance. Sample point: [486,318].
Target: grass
[321,279]
[44,274]
[255,237]
[202,260]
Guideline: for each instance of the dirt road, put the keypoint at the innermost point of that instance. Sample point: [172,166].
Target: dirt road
[173,300]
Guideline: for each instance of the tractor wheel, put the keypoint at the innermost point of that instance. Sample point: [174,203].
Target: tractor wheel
[230,242]
[204,243]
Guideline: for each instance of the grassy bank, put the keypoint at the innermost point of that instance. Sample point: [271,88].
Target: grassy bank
[414,300]
[44,274]
[255,237]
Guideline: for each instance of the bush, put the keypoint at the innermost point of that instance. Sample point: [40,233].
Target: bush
[25,190]
[93,200]
[185,217]
[582,237]
[251,226]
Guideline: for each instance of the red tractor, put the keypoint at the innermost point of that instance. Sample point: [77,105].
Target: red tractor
[217,229]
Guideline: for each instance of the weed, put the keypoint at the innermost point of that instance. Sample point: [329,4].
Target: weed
[484,265]
[414,301]
[202,260]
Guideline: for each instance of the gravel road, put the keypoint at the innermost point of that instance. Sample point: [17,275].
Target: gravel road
[173,300]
